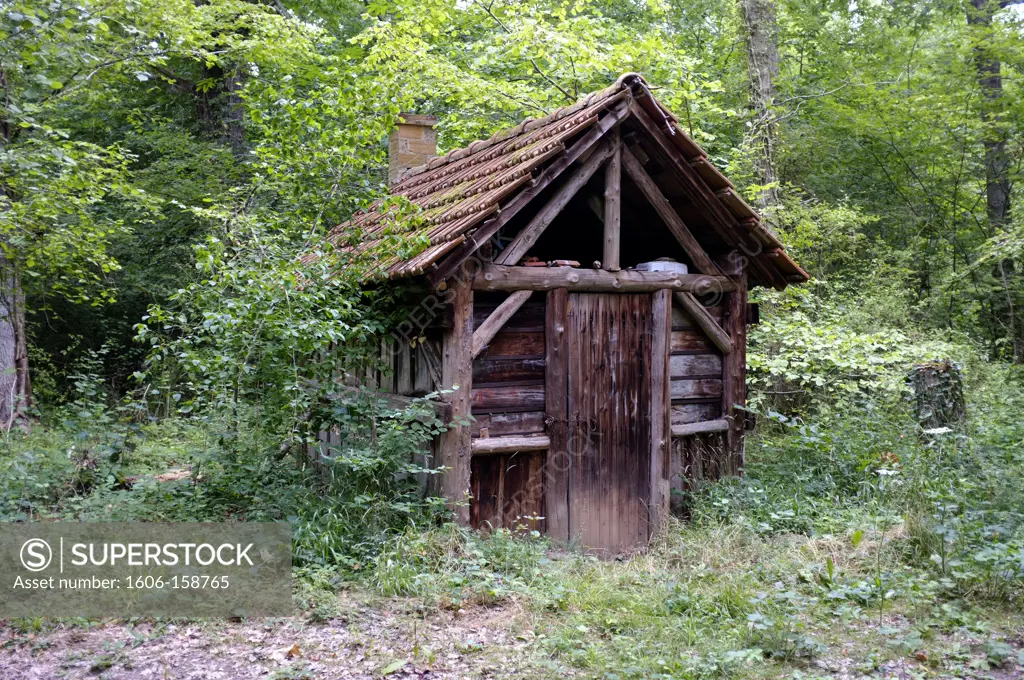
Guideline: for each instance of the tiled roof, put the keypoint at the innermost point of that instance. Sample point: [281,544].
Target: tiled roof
[458,191]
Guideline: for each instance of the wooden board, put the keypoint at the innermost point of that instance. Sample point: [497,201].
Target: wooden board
[694,460]
[508,490]
[515,344]
[701,388]
[683,414]
[506,424]
[691,342]
[690,366]
[509,398]
[513,369]
[609,348]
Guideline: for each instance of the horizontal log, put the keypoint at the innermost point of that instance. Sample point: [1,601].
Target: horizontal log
[697,428]
[492,445]
[505,424]
[511,398]
[702,388]
[501,277]
[690,366]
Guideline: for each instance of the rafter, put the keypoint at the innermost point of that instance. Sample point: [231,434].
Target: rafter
[488,229]
[667,213]
[546,215]
[701,195]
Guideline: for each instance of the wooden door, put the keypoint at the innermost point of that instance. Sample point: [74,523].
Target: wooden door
[609,419]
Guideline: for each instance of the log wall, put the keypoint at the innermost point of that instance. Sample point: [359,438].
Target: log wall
[508,400]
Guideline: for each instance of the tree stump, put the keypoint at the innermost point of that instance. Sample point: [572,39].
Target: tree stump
[939,395]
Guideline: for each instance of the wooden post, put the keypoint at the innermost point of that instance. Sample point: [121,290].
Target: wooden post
[612,204]
[556,393]
[734,375]
[455,450]
[661,407]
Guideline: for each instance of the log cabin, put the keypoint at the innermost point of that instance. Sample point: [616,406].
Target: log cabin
[587,309]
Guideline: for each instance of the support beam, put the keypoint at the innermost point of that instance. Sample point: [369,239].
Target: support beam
[532,231]
[734,376]
[492,277]
[688,429]
[661,408]
[706,322]
[499,317]
[668,214]
[492,445]
[556,397]
[488,229]
[613,206]
[454,445]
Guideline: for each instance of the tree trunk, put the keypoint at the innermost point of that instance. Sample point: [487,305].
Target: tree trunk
[762,69]
[987,66]
[15,388]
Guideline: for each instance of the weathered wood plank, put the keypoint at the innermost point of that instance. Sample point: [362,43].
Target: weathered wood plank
[515,344]
[691,341]
[683,414]
[529,234]
[612,205]
[556,495]
[530,316]
[489,328]
[720,425]
[705,321]
[609,351]
[693,366]
[680,318]
[515,369]
[492,445]
[508,398]
[454,448]
[661,325]
[493,277]
[701,261]
[403,368]
[488,229]
[506,424]
[701,388]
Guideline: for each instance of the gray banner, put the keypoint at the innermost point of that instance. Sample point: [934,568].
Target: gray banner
[70,569]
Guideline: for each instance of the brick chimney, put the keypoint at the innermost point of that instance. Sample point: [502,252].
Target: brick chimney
[414,142]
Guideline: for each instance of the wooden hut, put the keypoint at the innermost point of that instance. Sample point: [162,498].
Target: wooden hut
[589,274]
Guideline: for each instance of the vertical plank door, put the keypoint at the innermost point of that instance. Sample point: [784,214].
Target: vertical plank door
[609,399]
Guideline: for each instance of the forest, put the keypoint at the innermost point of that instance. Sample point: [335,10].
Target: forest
[167,168]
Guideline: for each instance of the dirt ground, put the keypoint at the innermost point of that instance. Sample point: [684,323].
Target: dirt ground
[364,642]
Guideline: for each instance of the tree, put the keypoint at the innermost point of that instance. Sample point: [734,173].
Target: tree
[762,70]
